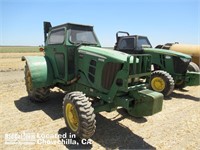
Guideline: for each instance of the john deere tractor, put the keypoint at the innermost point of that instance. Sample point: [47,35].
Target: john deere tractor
[95,79]
[169,68]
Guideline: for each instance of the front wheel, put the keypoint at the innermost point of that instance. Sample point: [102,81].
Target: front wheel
[79,114]
[162,82]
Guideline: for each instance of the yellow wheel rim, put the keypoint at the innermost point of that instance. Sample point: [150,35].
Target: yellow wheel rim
[29,81]
[72,117]
[158,84]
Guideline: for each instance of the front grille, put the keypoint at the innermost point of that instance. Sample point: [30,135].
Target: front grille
[143,65]
[109,72]
[180,66]
[92,70]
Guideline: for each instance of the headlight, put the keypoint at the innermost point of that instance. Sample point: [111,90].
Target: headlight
[167,57]
[185,59]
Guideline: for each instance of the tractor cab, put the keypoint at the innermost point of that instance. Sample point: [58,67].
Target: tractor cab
[61,44]
[70,34]
[131,44]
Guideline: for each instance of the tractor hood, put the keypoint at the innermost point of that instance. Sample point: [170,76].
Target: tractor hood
[104,53]
[166,52]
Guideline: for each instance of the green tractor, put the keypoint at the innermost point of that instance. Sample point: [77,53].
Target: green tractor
[169,68]
[95,79]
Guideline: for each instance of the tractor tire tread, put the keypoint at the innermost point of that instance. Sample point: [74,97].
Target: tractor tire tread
[85,112]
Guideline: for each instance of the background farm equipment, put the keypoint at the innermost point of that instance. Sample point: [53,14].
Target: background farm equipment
[169,68]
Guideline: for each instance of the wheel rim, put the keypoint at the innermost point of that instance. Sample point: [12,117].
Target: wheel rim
[158,84]
[72,117]
[29,81]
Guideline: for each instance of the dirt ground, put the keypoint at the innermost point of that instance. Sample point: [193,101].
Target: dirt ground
[176,127]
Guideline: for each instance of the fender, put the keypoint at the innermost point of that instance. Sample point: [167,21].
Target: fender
[40,69]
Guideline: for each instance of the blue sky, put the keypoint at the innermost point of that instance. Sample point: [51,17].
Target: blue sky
[21,21]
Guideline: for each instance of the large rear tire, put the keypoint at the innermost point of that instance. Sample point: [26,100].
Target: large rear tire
[79,114]
[162,82]
[35,94]
[193,67]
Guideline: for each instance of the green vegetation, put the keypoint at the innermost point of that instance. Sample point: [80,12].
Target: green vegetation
[18,49]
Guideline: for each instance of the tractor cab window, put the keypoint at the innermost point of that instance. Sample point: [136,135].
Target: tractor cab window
[143,42]
[57,36]
[82,36]
[126,44]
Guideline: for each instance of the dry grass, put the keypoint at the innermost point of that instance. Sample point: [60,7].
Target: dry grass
[19,49]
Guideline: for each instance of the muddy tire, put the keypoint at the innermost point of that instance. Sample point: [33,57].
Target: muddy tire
[35,95]
[79,114]
[162,82]
[193,67]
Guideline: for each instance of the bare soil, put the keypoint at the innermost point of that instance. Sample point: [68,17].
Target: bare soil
[176,127]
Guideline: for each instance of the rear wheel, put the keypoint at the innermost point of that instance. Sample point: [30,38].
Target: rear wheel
[79,114]
[193,67]
[162,82]
[36,95]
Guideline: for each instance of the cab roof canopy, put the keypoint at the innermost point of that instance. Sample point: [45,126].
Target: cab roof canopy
[48,27]
[73,26]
